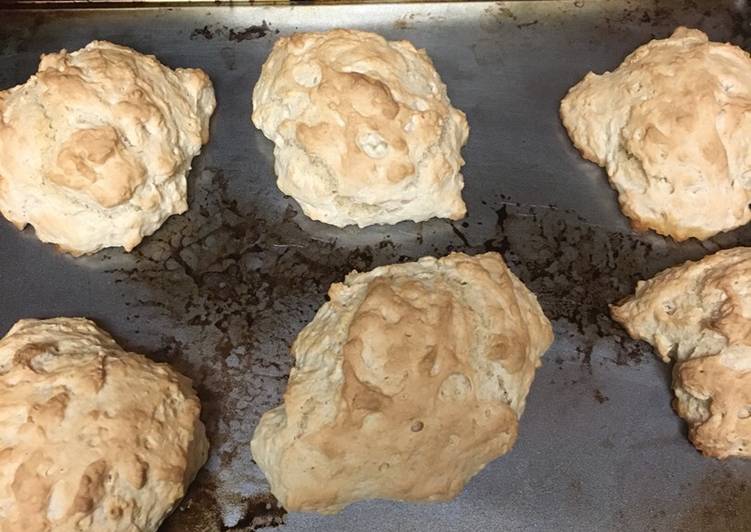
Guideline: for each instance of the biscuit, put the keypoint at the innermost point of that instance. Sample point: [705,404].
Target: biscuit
[92,438]
[699,314]
[364,131]
[95,147]
[670,126]
[406,384]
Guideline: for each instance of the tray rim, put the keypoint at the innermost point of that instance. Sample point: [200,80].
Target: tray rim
[158,4]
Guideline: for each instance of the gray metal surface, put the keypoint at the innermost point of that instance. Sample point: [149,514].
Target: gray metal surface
[222,291]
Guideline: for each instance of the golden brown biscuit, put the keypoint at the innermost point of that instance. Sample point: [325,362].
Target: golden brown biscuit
[405,384]
[364,131]
[699,314]
[92,438]
[95,147]
[670,126]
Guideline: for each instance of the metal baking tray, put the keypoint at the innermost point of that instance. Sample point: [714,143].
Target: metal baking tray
[221,291]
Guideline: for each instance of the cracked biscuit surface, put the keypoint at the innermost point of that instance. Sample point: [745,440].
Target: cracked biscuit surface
[671,126]
[95,147]
[92,438]
[699,314]
[406,384]
[364,131]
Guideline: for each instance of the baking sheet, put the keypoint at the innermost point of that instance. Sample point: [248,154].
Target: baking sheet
[221,291]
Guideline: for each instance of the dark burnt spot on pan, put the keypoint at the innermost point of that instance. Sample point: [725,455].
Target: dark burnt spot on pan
[199,511]
[250,33]
[247,33]
[262,511]
[658,15]
[600,397]
[665,15]
[629,352]
[527,24]
[204,32]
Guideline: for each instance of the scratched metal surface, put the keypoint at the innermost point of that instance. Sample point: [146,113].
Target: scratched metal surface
[222,291]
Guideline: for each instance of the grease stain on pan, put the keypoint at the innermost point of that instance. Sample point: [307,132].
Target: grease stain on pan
[232,289]
[728,510]
[577,269]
